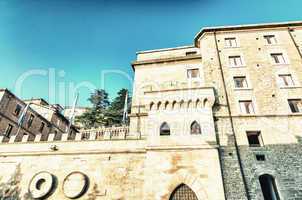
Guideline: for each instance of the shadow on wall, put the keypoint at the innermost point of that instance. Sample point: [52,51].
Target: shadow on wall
[217,105]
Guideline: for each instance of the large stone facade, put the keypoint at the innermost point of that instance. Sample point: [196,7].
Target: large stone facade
[222,117]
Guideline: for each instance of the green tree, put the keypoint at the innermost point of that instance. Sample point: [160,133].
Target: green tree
[99,100]
[114,113]
[95,116]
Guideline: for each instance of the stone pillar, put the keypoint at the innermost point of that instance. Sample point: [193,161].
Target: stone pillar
[107,135]
[78,137]
[25,138]
[64,136]
[38,138]
[92,135]
[12,139]
[51,137]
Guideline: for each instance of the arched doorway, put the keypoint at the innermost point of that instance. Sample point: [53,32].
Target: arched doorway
[268,187]
[183,192]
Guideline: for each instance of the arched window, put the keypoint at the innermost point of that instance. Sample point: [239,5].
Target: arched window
[183,192]
[205,103]
[268,187]
[158,105]
[190,104]
[195,128]
[166,105]
[181,104]
[174,105]
[197,105]
[164,129]
[151,106]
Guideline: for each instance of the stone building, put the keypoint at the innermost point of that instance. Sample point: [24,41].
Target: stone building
[220,119]
[39,118]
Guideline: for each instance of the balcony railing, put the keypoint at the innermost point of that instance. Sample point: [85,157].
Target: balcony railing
[112,133]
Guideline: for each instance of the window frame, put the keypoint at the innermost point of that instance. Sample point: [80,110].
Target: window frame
[252,104]
[259,137]
[30,120]
[299,108]
[265,36]
[274,185]
[285,58]
[245,81]
[161,133]
[199,127]
[236,66]
[19,111]
[9,130]
[230,38]
[282,80]
[192,68]
[191,53]
[42,127]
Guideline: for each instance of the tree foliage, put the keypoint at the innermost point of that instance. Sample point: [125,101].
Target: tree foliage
[114,113]
[103,113]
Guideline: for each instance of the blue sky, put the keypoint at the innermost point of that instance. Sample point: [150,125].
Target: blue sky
[78,40]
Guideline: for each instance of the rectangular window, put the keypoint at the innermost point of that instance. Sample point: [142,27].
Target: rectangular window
[247,107]
[193,73]
[286,80]
[240,82]
[260,157]
[30,120]
[191,53]
[278,58]
[42,127]
[17,110]
[235,61]
[295,105]
[230,42]
[8,130]
[254,138]
[270,39]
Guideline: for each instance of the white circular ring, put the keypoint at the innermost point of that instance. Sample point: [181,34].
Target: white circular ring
[41,185]
[75,185]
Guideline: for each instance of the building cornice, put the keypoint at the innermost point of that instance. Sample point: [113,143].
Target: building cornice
[164,60]
[179,89]
[244,27]
[265,115]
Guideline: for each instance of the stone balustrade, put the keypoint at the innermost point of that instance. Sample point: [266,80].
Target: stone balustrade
[112,133]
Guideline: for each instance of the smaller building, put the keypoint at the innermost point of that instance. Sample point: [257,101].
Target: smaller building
[39,117]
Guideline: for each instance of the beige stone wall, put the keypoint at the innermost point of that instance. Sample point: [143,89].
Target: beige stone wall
[270,100]
[115,169]
[165,170]
[164,93]
[121,169]
[160,77]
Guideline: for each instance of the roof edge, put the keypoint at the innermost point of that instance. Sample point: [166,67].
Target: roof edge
[244,27]
[165,49]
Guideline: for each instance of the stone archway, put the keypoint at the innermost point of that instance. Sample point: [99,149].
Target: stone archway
[182,177]
[183,192]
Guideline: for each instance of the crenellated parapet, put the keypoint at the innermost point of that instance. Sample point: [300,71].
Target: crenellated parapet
[112,133]
[174,99]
